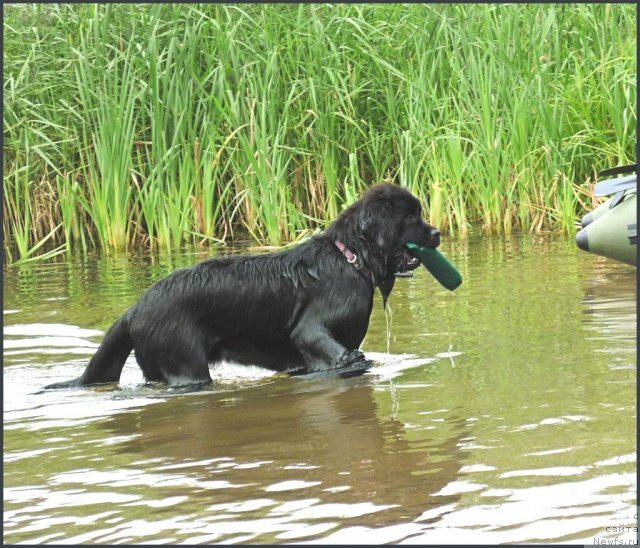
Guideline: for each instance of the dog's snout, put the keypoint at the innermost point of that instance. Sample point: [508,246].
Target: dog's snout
[434,236]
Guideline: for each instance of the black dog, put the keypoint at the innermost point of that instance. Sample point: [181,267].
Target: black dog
[304,310]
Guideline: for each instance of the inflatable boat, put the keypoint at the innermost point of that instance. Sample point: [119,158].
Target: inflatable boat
[610,229]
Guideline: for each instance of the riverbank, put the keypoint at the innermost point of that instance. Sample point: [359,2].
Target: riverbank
[154,125]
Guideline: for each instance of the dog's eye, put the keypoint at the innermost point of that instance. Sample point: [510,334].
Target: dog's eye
[410,219]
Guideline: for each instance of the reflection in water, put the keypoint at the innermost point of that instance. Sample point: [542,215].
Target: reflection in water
[505,414]
[286,457]
[610,312]
[332,429]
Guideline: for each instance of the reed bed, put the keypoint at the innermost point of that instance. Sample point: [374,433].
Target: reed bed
[158,124]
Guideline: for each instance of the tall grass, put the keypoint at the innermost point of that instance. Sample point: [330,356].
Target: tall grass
[164,123]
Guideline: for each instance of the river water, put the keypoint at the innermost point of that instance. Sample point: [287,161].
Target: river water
[504,412]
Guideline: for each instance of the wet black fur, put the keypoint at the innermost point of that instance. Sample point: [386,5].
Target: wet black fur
[302,310]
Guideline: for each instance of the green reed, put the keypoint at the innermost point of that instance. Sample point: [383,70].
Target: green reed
[157,124]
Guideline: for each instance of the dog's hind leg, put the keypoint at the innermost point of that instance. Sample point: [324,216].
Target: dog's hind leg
[174,363]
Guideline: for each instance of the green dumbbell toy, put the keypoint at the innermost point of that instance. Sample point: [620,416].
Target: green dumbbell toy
[438,265]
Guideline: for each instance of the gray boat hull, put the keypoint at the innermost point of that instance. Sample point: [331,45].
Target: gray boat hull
[611,231]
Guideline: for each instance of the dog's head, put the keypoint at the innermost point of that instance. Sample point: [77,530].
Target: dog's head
[390,216]
[380,224]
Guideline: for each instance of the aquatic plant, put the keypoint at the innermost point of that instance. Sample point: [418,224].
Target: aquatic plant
[157,124]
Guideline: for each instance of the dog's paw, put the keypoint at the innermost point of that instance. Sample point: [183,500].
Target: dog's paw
[354,370]
[351,364]
[349,357]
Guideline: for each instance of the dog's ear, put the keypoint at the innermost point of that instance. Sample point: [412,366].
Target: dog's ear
[378,224]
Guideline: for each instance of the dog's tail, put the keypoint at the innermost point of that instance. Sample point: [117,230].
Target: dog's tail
[106,364]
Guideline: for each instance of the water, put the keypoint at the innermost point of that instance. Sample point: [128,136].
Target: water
[504,412]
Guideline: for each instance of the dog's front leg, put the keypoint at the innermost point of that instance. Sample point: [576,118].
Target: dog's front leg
[323,354]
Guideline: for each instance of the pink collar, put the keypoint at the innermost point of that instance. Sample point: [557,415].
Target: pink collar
[351,257]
